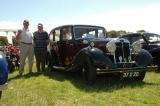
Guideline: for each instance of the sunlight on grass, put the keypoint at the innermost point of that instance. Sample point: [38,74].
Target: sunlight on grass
[61,88]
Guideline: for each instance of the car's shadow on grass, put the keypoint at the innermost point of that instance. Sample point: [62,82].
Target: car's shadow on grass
[29,75]
[103,82]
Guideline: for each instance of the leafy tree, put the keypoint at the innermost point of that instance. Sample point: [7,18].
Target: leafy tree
[3,40]
[142,30]
[15,42]
[114,33]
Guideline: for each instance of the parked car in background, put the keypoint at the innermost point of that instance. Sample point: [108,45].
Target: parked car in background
[3,72]
[149,42]
[9,46]
[85,49]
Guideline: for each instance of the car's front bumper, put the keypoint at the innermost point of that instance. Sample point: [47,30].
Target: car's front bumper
[4,86]
[122,70]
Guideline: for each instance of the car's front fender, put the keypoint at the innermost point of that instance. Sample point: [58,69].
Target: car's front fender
[96,55]
[143,58]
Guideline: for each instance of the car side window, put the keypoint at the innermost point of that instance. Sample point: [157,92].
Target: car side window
[100,34]
[158,38]
[154,38]
[66,33]
[55,35]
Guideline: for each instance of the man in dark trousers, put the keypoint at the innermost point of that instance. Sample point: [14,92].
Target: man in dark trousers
[40,42]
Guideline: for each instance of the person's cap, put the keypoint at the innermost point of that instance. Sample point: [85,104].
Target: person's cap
[40,24]
[26,21]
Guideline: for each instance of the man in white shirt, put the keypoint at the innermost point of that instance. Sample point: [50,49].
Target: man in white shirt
[26,48]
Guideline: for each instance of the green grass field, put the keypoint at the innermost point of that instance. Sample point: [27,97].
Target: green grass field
[63,88]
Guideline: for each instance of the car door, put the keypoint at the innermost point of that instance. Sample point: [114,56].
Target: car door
[54,48]
[66,46]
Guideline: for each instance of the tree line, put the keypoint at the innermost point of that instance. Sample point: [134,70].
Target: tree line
[114,33]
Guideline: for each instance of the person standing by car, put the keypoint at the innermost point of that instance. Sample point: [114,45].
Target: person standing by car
[40,40]
[26,47]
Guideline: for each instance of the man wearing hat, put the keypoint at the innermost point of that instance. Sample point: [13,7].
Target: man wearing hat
[40,40]
[26,47]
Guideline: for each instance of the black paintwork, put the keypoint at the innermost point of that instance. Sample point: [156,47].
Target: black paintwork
[66,53]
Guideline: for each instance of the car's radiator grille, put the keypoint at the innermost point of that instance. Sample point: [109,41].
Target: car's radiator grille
[122,52]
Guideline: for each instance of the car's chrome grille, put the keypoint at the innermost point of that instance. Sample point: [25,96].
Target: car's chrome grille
[122,52]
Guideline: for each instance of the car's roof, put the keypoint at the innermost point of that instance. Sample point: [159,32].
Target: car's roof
[78,25]
[138,33]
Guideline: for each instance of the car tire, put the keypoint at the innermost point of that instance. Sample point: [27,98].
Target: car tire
[88,71]
[11,67]
[0,94]
[141,77]
[50,63]
[137,79]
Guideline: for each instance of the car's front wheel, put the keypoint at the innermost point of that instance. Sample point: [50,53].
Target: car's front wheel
[88,71]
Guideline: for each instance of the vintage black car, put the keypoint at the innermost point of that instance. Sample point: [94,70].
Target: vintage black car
[149,42]
[85,49]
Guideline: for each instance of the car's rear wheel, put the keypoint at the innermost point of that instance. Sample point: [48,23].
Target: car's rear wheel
[11,67]
[88,71]
[50,62]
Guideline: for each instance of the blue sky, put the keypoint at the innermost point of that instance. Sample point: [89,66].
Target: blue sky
[130,15]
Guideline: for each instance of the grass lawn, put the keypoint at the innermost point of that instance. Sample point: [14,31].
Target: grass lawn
[63,88]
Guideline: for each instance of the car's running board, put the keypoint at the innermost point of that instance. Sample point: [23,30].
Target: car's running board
[58,67]
[62,68]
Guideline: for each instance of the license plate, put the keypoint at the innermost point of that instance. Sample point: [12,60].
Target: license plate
[130,74]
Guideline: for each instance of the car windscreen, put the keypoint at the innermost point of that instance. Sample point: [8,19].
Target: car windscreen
[152,37]
[88,32]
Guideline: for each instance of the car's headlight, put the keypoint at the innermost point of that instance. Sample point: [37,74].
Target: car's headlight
[111,47]
[136,46]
